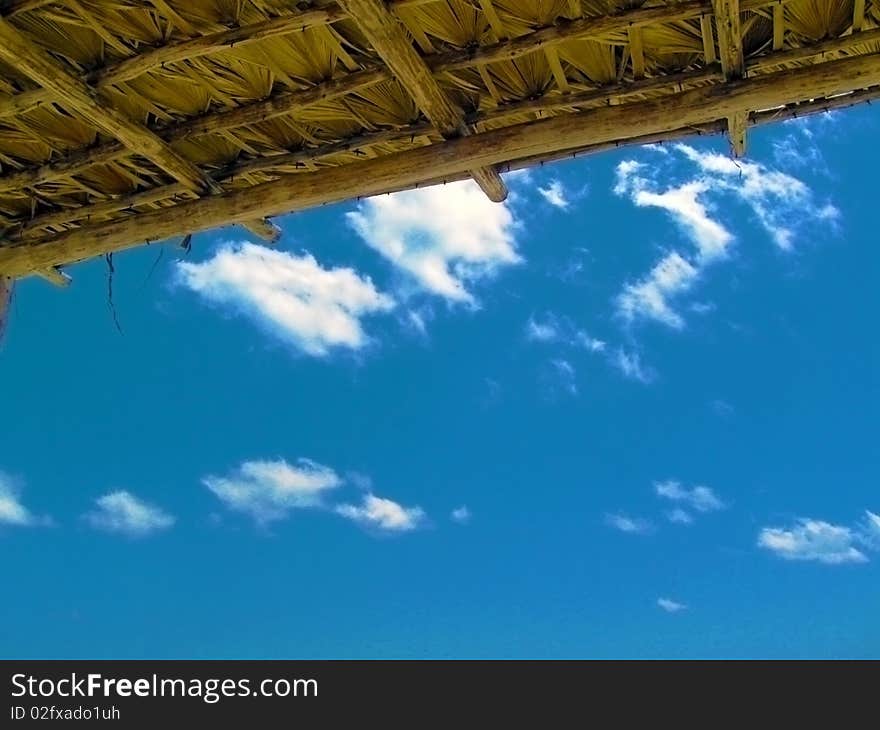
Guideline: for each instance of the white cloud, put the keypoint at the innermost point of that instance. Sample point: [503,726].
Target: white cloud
[630,525]
[815,540]
[670,606]
[700,498]
[12,511]
[555,194]
[444,236]
[551,328]
[649,297]
[679,516]
[123,512]
[782,204]
[383,514]
[690,212]
[269,490]
[630,364]
[461,515]
[312,308]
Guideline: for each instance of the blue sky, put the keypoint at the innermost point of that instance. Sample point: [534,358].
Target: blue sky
[632,412]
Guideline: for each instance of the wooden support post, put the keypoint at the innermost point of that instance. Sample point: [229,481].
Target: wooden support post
[386,35]
[729,26]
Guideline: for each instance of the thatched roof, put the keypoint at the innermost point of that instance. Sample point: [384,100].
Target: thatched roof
[128,120]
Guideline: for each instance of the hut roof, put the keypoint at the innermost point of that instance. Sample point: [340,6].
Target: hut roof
[124,121]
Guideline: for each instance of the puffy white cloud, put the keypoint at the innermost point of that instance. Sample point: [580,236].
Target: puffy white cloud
[630,525]
[383,514]
[700,498]
[313,308]
[670,606]
[124,513]
[269,490]
[815,540]
[444,236]
[461,515]
[555,194]
[12,511]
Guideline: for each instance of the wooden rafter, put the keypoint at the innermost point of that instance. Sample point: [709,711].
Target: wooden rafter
[286,102]
[858,15]
[730,48]
[19,51]
[691,109]
[612,94]
[538,40]
[389,41]
[778,27]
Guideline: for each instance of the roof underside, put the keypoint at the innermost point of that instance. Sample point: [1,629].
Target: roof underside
[126,120]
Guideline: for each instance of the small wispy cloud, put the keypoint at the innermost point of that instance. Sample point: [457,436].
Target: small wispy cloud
[12,510]
[551,328]
[383,514]
[560,377]
[269,490]
[627,524]
[555,194]
[700,498]
[679,516]
[461,515]
[444,237]
[670,606]
[630,364]
[823,542]
[316,310]
[122,512]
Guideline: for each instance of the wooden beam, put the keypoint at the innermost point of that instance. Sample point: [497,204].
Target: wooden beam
[389,41]
[21,53]
[700,106]
[778,27]
[858,15]
[55,276]
[708,39]
[729,25]
[637,52]
[204,45]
